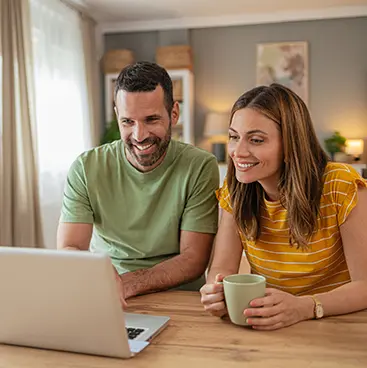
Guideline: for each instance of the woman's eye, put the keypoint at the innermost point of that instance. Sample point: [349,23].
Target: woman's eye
[257,141]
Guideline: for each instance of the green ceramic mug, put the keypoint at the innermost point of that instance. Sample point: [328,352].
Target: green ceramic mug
[239,291]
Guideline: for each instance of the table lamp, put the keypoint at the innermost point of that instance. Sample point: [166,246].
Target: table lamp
[354,148]
[216,129]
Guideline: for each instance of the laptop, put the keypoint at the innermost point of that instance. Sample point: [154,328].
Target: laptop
[68,300]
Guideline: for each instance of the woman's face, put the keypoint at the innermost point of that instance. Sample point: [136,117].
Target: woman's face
[255,146]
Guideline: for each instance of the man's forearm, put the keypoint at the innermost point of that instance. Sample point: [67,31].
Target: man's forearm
[170,273]
[69,247]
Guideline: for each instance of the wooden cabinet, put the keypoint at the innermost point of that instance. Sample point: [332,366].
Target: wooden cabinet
[183,92]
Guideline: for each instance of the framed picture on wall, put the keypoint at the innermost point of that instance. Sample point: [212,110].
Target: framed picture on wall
[285,63]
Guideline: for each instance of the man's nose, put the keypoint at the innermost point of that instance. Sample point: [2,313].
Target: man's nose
[140,132]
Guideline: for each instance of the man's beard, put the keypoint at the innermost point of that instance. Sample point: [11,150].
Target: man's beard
[150,159]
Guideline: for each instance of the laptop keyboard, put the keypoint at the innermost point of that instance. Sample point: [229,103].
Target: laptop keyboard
[133,333]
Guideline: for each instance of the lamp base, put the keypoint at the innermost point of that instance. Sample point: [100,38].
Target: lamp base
[219,151]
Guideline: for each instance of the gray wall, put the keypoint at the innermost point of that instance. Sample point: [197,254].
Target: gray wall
[225,64]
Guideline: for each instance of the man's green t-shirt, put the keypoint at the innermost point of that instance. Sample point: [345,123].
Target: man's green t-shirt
[137,216]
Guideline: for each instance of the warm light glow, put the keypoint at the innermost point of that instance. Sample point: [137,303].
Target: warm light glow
[354,147]
[216,124]
[349,122]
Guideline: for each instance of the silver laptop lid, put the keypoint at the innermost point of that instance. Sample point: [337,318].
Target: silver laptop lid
[62,300]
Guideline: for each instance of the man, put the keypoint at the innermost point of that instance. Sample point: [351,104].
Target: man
[145,200]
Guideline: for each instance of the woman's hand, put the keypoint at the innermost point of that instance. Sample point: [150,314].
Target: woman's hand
[212,297]
[278,309]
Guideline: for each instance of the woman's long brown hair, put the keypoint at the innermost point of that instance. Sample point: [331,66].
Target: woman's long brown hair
[301,183]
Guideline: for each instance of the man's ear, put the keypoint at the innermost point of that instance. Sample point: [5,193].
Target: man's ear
[175,113]
[116,113]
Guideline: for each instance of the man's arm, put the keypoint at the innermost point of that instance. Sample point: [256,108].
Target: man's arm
[76,222]
[198,226]
[190,264]
[74,236]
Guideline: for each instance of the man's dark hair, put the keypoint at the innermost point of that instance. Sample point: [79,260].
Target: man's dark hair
[144,76]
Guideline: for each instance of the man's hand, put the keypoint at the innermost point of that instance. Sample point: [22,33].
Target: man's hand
[120,287]
[278,309]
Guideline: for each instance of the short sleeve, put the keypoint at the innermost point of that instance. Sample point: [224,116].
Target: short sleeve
[341,185]
[76,206]
[224,197]
[201,210]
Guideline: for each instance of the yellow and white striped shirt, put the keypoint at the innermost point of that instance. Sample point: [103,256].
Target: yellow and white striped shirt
[323,266]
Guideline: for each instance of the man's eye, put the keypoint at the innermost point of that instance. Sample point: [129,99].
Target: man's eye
[233,137]
[152,120]
[126,122]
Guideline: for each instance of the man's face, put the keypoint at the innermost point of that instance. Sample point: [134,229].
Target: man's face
[145,126]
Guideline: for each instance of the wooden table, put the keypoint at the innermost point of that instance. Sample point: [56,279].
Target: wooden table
[195,339]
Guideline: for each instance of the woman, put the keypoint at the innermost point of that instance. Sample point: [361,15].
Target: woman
[300,219]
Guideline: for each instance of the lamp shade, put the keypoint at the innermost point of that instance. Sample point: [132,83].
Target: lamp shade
[354,147]
[216,124]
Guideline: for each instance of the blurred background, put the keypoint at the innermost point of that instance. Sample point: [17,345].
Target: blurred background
[59,60]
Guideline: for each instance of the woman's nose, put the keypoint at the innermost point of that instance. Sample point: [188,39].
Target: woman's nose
[241,150]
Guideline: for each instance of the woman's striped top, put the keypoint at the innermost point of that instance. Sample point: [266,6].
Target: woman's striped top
[323,266]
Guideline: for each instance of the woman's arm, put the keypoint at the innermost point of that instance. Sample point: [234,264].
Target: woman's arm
[283,309]
[352,296]
[226,261]
[227,249]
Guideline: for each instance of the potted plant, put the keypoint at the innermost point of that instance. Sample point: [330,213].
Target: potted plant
[335,144]
[111,133]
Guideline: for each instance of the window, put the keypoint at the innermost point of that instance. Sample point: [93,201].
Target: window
[61,102]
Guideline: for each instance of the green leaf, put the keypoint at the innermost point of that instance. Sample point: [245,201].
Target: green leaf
[112,133]
[335,143]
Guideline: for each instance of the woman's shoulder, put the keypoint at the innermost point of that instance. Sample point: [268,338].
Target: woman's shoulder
[341,180]
[339,172]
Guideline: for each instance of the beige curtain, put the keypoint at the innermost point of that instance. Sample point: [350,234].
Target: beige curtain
[20,223]
[92,76]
